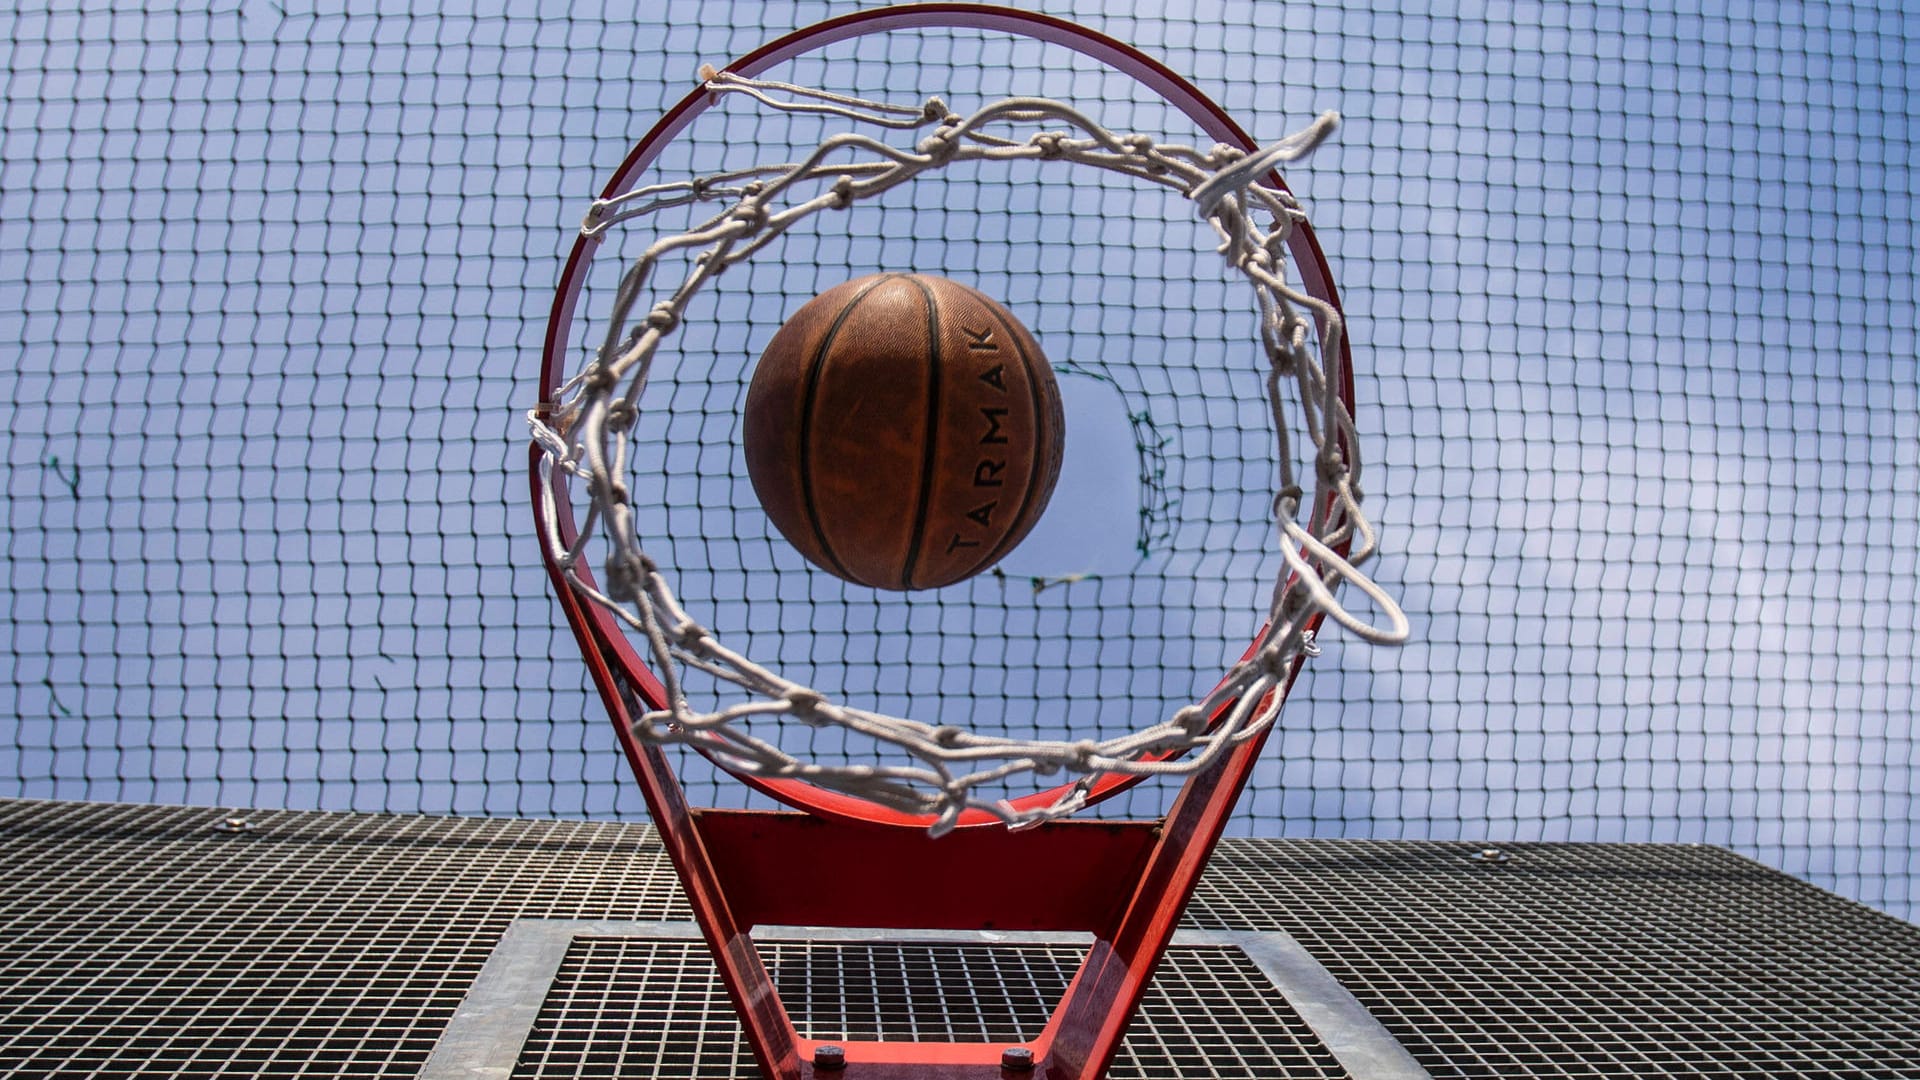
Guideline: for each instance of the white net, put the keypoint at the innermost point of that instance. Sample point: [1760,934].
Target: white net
[587,430]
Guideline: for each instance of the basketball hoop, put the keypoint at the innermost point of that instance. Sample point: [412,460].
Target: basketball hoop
[732,861]
[585,423]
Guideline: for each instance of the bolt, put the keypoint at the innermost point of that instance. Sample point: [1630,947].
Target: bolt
[233,824]
[1017,1058]
[829,1058]
[1492,854]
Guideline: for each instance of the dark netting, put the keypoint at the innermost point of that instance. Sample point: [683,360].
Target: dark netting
[1632,300]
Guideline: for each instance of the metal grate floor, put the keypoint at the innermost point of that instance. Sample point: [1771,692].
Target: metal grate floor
[1210,1012]
[151,941]
[144,940]
[911,991]
[610,988]
[1588,960]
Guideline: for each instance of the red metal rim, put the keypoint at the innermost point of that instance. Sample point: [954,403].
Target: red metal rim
[1309,260]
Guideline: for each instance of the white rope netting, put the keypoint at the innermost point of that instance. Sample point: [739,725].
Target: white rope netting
[587,431]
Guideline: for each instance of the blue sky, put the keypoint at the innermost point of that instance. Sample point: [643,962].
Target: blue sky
[1633,301]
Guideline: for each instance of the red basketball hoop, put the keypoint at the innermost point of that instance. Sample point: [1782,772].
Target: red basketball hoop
[1123,882]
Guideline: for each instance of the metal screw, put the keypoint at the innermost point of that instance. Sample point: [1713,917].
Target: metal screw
[1017,1058]
[1491,854]
[233,824]
[829,1057]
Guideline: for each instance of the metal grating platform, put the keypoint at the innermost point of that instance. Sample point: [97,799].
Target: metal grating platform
[952,992]
[157,941]
[609,987]
[161,941]
[1584,960]
[1211,1012]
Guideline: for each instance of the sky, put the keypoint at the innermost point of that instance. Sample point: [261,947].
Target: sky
[1632,300]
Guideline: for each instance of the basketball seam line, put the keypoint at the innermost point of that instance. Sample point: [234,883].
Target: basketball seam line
[930,442]
[815,363]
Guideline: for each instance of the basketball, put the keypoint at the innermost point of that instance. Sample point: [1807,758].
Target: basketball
[903,431]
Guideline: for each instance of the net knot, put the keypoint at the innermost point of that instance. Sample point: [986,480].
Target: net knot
[1143,146]
[842,192]
[1193,720]
[1331,465]
[939,146]
[663,318]
[625,572]
[751,214]
[1286,501]
[637,564]
[610,491]
[1273,660]
[803,701]
[599,378]
[1051,144]
[1081,754]
[622,415]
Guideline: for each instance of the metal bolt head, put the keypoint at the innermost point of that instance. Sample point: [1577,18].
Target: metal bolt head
[830,1057]
[233,824]
[1491,854]
[1017,1059]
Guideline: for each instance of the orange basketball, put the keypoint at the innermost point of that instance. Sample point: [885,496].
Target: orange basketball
[903,431]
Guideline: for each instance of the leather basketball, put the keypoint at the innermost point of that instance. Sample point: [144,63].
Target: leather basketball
[903,431]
